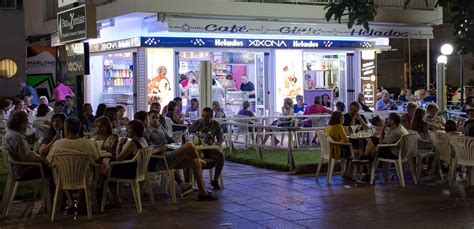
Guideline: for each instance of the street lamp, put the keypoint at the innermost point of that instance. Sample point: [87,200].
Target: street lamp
[442,59]
[441,81]
[447,49]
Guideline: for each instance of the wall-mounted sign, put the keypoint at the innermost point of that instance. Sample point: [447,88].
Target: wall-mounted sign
[251,43]
[78,23]
[77,58]
[308,29]
[368,77]
[115,45]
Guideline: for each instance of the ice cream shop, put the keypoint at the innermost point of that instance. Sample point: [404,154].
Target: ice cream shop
[259,62]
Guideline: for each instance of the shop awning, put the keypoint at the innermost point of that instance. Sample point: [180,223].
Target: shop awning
[192,25]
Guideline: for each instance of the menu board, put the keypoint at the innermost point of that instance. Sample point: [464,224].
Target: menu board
[369,79]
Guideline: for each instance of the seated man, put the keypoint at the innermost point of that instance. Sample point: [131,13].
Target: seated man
[72,143]
[142,116]
[215,136]
[392,131]
[58,109]
[385,103]
[353,117]
[468,125]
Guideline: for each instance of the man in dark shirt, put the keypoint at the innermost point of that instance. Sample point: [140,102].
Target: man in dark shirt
[87,118]
[469,124]
[247,86]
[212,128]
[353,117]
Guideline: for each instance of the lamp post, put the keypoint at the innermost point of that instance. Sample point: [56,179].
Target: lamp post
[441,67]
[446,50]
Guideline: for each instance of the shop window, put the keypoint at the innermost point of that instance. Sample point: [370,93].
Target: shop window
[8,68]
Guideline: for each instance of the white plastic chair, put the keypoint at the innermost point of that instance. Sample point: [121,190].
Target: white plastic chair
[405,148]
[142,158]
[421,154]
[326,142]
[463,148]
[167,174]
[71,172]
[12,184]
[176,135]
[442,149]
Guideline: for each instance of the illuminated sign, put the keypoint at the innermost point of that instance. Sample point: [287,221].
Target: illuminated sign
[76,24]
[368,77]
[115,45]
[170,42]
[300,29]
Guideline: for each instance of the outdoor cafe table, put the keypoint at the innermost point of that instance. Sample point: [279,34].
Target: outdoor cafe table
[361,136]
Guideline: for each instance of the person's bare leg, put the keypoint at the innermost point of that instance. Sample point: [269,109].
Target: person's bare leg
[369,148]
[217,156]
[69,198]
[197,171]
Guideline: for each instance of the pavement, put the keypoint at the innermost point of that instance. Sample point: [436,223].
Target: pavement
[261,198]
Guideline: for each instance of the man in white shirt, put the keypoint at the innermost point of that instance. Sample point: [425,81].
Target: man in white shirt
[72,143]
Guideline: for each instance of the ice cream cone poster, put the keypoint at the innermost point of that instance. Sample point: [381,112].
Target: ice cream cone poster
[289,74]
[160,75]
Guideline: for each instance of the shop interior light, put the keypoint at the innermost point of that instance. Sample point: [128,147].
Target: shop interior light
[442,59]
[447,49]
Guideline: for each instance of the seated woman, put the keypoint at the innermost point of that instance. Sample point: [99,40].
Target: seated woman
[175,117]
[121,119]
[326,100]
[54,133]
[300,106]
[111,113]
[361,101]
[104,133]
[15,143]
[451,126]
[408,117]
[436,121]
[335,130]
[286,110]
[39,125]
[420,125]
[218,112]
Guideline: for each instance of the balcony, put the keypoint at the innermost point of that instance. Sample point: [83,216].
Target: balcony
[414,4]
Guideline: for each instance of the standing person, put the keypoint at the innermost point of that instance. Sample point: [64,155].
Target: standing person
[385,103]
[61,91]
[70,110]
[54,133]
[213,129]
[408,117]
[28,91]
[300,106]
[87,118]
[217,92]
[361,101]
[247,87]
